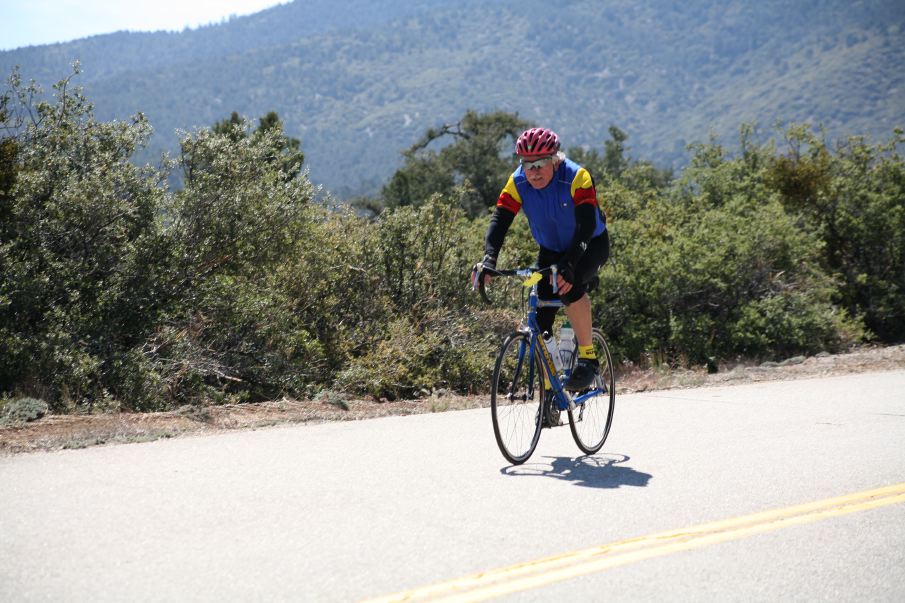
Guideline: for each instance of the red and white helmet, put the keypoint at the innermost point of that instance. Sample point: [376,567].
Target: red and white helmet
[537,142]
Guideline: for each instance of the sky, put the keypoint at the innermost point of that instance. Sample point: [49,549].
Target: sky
[31,22]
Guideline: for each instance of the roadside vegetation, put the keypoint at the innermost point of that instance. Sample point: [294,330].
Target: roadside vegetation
[118,293]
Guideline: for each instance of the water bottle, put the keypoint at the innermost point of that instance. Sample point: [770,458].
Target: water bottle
[550,342]
[566,344]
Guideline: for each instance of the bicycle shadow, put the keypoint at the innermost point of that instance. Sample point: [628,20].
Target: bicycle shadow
[602,471]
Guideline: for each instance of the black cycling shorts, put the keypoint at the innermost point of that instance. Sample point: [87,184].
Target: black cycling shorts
[594,257]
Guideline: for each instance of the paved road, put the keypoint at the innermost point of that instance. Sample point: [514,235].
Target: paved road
[341,512]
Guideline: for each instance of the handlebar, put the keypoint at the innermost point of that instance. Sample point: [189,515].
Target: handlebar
[479,269]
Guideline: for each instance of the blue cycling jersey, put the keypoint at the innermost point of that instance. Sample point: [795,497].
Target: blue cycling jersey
[551,210]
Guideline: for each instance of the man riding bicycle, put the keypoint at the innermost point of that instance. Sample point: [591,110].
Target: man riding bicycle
[560,203]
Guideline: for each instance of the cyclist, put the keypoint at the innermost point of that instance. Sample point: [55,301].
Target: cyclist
[560,202]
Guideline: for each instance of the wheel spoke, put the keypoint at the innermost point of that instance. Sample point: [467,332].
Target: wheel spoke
[514,407]
[590,422]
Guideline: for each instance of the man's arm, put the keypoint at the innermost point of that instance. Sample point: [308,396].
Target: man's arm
[500,222]
[584,196]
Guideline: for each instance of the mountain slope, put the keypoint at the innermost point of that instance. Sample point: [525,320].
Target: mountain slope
[358,83]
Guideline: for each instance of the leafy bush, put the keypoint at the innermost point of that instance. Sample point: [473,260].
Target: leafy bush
[112,287]
[229,333]
[855,201]
[712,267]
[21,410]
[422,256]
[79,242]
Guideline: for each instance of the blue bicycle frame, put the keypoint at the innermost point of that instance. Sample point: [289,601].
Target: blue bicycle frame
[563,399]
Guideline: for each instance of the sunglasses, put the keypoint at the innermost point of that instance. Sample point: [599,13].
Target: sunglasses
[536,164]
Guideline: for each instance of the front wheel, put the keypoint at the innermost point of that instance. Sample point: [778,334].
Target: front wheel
[516,398]
[591,420]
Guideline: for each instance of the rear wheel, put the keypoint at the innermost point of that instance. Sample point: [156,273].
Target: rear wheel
[590,421]
[516,398]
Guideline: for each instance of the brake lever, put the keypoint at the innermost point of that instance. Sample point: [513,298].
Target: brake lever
[476,275]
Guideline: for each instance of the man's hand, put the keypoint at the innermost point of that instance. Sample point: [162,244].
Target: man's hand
[563,286]
[487,262]
[565,277]
[475,276]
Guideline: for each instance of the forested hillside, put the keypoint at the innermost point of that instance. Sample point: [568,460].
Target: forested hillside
[358,82]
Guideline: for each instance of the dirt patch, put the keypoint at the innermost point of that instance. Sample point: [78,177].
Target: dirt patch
[54,432]
[862,360]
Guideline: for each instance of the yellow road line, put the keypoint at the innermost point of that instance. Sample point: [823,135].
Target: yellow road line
[541,572]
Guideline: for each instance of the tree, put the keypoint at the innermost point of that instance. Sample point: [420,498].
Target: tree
[614,159]
[79,240]
[244,209]
[113,290]
[285,150]
[285,153]
[478,159]
[617,166]
[855,200]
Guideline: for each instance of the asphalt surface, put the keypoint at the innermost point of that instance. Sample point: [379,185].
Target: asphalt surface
[350,511]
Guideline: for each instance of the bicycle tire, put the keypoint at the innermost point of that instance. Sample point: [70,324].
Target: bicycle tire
[516,398]
[593,419]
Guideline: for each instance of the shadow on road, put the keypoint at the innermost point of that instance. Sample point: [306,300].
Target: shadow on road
[602,471]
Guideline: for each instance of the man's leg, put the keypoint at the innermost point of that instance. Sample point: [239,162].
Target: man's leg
[579,313]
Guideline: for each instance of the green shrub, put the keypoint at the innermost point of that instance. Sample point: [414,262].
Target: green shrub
[79,242]
[21,410]
[444,350]
[112,287]
[712,267]
[791,323]
[855,200]
[399,365]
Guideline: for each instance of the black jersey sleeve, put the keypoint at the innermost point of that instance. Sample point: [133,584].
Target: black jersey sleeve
[500,222]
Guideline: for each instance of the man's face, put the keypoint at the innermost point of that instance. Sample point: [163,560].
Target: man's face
[538,171]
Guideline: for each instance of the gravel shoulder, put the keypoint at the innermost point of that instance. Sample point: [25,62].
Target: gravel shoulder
[55,432]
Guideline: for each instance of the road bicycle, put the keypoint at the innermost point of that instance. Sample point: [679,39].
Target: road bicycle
[517,394]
